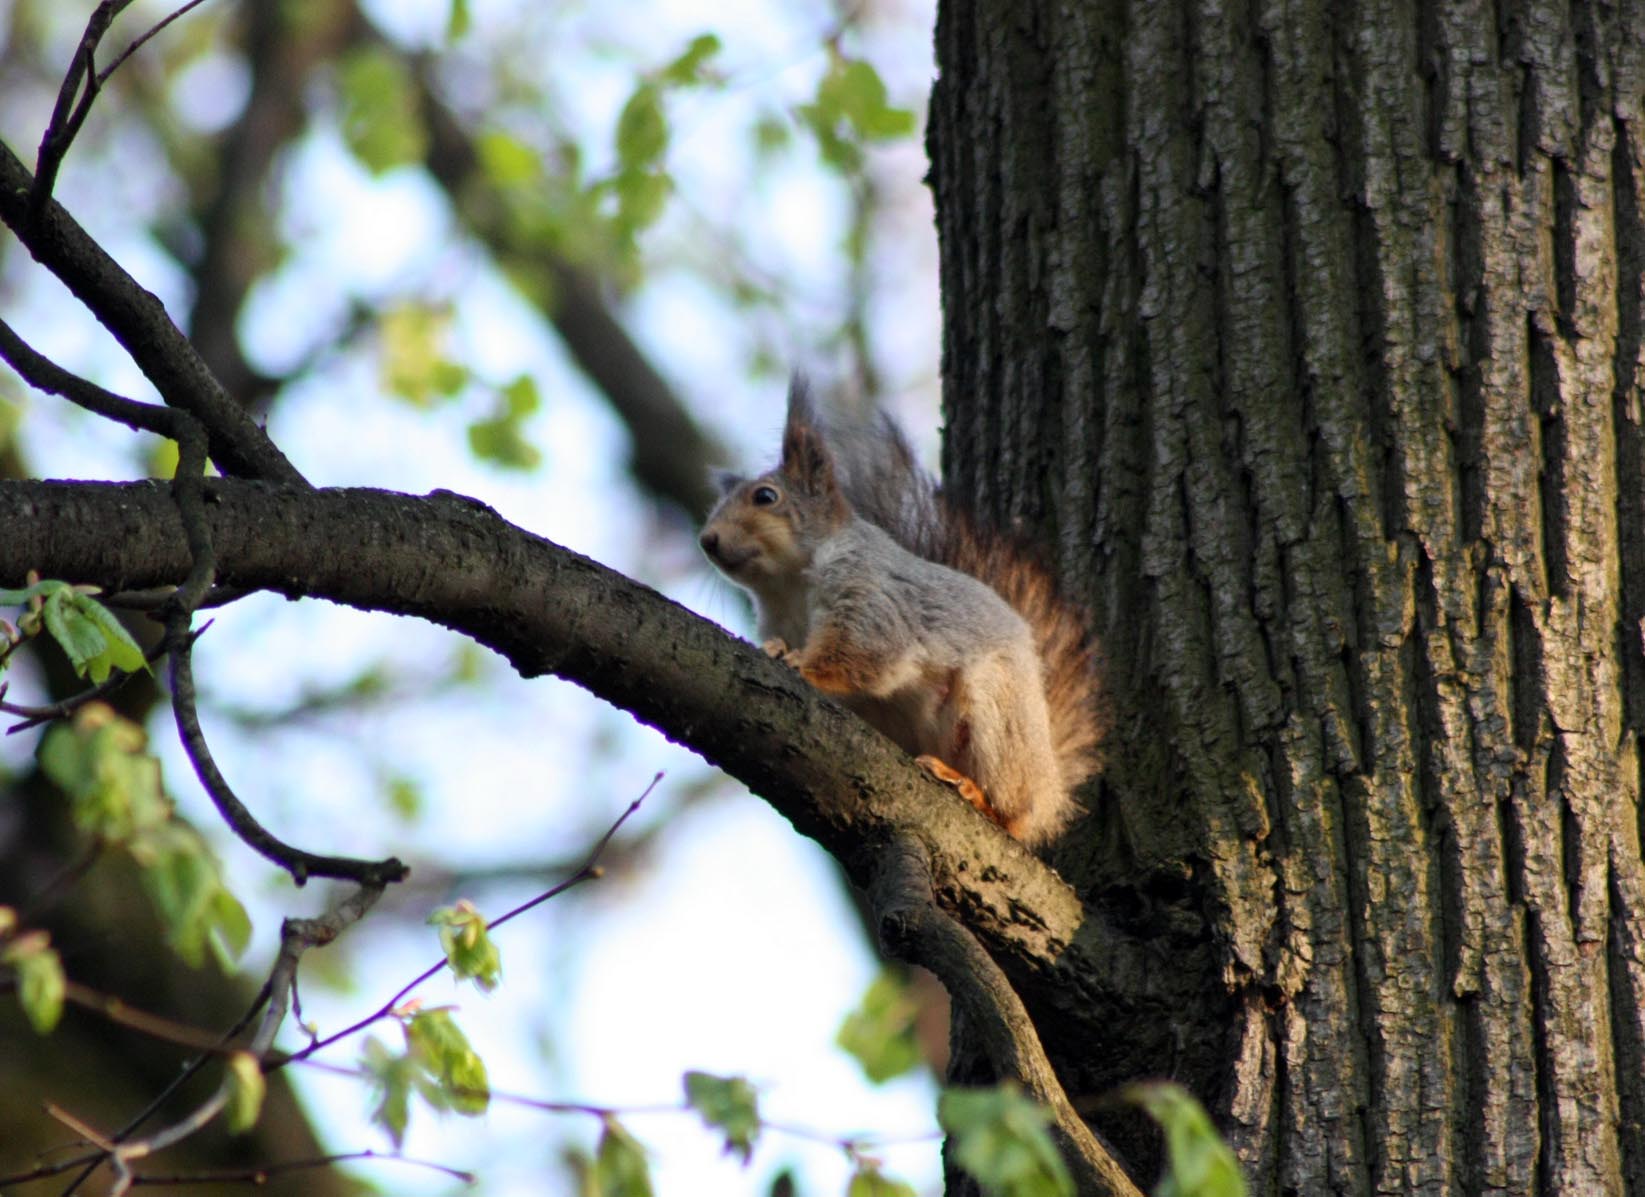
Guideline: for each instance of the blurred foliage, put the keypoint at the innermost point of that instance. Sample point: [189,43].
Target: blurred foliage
[38,969]
[879,1033]
[438,1065]
[247,1088]
[1001,1137]
[469,949]
[727,1104]
[98,760]
[1197,1161]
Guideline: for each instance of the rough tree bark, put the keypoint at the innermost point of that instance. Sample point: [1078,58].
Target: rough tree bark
[1312,336]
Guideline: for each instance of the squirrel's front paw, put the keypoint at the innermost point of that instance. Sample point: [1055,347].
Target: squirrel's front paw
[777,648]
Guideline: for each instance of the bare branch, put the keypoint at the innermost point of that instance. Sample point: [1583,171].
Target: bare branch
[260,1175]
[68,115]
[140,323]
[296,937]
[138,42]
[156,1026]
[188,1072]
[300,864]
[44,374]
[34,716]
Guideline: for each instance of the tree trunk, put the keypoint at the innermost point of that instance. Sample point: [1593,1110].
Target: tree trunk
[1312,339]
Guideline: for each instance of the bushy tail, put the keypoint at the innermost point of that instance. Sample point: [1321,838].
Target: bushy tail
[885,485]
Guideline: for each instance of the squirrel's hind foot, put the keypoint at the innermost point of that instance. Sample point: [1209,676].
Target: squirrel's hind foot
[968,789]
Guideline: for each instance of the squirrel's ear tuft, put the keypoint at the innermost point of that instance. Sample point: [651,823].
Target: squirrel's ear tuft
[802,408]
[807,460]
[724,481]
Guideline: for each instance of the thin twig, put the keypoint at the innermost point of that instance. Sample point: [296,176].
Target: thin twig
[155,1103]
[49,894]
[89,1158]
[848,1143]
[74,102]
[300,864]
[261,1174]
[296,936]
[34,716]
[589,871]
[156,597]
[137,44]
[155,1026]
[44,374]
[67,116]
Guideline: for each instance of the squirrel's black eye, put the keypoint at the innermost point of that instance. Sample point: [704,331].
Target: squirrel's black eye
[764,496]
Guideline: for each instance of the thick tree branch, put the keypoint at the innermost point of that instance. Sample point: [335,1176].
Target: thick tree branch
[139,322]
[455,562]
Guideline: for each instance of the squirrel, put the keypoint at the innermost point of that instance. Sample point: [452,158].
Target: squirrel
[949,640]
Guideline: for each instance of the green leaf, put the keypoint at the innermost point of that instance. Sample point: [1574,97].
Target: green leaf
[116,795]
[185,882]
[642,129]
[16,598]
[458,20]
[40,981]
[506,160]
[81,638]
[11,416]
[868,1181]
[468,948]
[999,1136]
[391,1076]
[405,797]
[687,69]
[245,1093]
[641,195]
[382,122]
[442,1051]
[412,357]
[98,761]
[620,1168]
[863,100]
[181,878]
[771,134]
[726,1104]
[229,927]
[879,1034]
[851,108]
[501,438]
[1197,1161]
[118,650]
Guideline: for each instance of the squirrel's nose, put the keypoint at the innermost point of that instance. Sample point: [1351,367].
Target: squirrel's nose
[710,542]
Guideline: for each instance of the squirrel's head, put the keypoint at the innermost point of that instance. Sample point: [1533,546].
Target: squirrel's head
[766,529]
